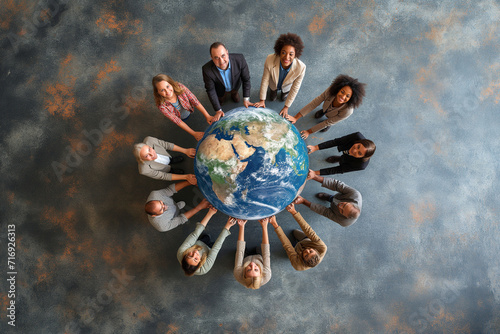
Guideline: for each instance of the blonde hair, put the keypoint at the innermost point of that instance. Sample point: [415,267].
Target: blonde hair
[178,90]
[189,270]
[253,282]
[137,152]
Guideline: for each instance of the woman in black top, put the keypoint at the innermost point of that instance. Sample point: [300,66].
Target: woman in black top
[356,152]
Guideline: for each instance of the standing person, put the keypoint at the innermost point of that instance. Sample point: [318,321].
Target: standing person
[253,270]
[356,152]
[154,160]
[283,71]
[164,213]
[223,76]
[309,250]
[339,100]
[176,102]
[345,206]
[197,256]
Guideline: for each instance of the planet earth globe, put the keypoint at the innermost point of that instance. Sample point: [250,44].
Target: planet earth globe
[251,164]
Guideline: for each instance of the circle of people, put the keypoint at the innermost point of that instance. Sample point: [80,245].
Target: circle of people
[223,76]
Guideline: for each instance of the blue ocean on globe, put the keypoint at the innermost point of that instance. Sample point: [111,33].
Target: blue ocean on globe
[251,164]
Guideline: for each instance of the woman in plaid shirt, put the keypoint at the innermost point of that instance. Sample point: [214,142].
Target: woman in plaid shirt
[177,103]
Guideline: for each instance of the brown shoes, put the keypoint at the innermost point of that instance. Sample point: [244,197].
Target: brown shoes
[235,96]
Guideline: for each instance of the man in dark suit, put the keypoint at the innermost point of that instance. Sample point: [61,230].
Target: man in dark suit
[223,76]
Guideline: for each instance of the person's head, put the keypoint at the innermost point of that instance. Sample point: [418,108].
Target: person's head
[310,257]
[348,90]
[219,55]
[288,47]
[143,152]
[252,273]
[163,88]
[362,149]
[192,260]
[348,210]
[155,208]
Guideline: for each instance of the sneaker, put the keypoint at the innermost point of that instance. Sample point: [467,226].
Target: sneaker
[333,159]
[176,159]
[319,114]
[323,196]
[176,171]
[273,95]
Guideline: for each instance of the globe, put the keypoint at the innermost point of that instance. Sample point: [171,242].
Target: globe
[251,164]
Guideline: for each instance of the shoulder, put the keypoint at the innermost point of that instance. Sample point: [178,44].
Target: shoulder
[238,57]
[300,63]
[208,65]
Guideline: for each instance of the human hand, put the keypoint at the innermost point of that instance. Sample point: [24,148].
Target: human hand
[304,134]
[284,112]
[231,221]
[291,208]
[212,210]
[218,115]
[204,204]
[198,135]
[264,221]
[190,152]
[311,174]
[210,119]
[260,104]
[242,222]
[191,178]
[312,148]
[291,119]
[273,222]
[247,103]
[299,200]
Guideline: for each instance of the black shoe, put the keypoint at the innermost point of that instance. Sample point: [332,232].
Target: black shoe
[298,235]
[319,114]
[284,95]
[176,160]
[176,171]
[205,238]
[323,196]
[333,159]
[273,95]
[325,129]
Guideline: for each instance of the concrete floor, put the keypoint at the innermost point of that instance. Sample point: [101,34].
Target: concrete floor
[422,258]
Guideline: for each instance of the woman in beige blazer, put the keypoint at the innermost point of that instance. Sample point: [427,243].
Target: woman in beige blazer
[283,71]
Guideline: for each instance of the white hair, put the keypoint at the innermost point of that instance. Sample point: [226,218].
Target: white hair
[137,152]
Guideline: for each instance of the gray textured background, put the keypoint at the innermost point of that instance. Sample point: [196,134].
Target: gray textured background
[422,258]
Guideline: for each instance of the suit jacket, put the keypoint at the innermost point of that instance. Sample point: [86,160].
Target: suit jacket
[312,241]
[214,85]
[171,218]
[291,83]
[347,163]
[345,194]
[154,169]
[333,114]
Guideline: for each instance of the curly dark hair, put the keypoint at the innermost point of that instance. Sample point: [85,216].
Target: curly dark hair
[358,89]
[289,39]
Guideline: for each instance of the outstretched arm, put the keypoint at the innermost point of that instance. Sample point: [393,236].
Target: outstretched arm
[203,205]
